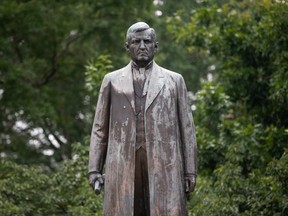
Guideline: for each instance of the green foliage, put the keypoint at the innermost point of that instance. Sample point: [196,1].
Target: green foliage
[242,164]
[213,106]
[29,191]
[44,47]
[250,46]
[47,96]
[95,72]
[22,189]
[175,54]
[240,116]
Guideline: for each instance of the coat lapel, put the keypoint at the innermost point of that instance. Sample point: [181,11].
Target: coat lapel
[157,81]
[126,82]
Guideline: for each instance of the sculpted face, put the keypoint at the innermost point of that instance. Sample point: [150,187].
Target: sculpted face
[142,47]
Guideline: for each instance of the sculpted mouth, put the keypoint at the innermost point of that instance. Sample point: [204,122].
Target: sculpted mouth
[142,53]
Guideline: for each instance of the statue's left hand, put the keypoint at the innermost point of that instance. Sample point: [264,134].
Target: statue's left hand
[190,183]
[93,177]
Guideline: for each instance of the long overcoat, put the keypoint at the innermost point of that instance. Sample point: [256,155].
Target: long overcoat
[170,142]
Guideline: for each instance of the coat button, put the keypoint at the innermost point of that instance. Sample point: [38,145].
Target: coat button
[124,107]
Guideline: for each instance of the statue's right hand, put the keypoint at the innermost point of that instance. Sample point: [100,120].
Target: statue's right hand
[93,177]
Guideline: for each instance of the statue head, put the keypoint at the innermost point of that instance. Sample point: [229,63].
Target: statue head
[141,43]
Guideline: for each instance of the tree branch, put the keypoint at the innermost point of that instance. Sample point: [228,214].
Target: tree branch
[53,134]
[50,142]
[15,43]
[50,73]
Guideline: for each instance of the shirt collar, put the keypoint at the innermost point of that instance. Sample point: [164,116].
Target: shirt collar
[148,66]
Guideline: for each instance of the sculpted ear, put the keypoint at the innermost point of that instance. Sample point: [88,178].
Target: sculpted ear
[156,45]
[127,46]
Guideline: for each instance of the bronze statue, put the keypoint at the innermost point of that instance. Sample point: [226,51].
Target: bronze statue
[143,132]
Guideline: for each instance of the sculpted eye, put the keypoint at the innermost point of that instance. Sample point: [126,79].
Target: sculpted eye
[136,41]
[147,41]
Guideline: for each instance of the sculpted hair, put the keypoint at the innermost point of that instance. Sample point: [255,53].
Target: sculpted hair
[139,27]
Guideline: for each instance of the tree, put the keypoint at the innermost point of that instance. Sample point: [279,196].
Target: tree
[30,191]
[45,106]
[240,116]
[47,98]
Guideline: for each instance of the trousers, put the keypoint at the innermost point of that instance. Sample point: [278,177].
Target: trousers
[141,191]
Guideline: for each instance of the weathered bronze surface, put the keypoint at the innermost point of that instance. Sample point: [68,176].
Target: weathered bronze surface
[159,123]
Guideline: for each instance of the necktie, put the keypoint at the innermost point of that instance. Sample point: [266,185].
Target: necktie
[141,77]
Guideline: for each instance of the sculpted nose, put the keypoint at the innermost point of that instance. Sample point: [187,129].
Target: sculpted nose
[142,45]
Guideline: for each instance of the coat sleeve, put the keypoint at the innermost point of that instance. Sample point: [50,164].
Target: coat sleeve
[100,129]
[187,130]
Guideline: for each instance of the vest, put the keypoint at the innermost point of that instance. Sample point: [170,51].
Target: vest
[140,100]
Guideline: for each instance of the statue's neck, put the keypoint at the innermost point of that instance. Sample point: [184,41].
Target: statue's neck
[145,65]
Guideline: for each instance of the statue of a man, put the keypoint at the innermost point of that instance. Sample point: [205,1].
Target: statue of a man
[143,132]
